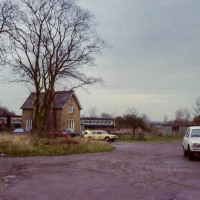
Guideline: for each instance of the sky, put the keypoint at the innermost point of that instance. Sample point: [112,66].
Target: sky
[152,64]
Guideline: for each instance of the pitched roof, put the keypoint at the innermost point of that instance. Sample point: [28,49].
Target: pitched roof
[60,99]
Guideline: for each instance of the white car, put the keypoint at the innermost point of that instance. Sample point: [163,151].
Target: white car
[191,142]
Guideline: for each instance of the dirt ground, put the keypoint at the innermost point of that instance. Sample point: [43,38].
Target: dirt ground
[147,171]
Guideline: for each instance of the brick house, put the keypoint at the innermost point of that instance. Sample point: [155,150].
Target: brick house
[65,112]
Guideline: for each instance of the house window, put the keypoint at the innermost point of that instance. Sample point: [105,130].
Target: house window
[70,124]
[29,123]
[71,108]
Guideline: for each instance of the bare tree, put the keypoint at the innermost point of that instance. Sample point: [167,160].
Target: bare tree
[165,118]
[8,13]
[93,112]
[182,116]
[105,115]
[133,120]
[5,111]
[196,112]
[196,107]
[53,40]
[119,122]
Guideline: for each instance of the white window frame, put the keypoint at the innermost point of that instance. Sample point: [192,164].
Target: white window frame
[71,108]
[70,124]
[29,124]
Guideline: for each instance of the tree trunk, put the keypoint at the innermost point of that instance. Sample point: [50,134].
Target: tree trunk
[133,133]
[42,112]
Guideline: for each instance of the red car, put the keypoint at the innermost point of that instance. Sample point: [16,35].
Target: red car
[57,133]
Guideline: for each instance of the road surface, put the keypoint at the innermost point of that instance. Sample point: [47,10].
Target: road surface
[147,171]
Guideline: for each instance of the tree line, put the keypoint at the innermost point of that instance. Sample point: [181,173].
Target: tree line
[132,119]
[185,116]
[4,111]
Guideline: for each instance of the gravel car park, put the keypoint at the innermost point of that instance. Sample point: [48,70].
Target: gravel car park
[134,171]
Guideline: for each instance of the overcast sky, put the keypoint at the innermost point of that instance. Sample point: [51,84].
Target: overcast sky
[153,64]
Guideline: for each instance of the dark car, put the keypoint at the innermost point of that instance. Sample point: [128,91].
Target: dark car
[71,133]
[58,133]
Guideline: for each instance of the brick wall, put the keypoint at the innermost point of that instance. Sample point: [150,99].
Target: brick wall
[63,115]
[26,114]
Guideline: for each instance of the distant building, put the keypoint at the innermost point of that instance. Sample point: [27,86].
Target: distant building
[175,129]
[10,121]
[97,123]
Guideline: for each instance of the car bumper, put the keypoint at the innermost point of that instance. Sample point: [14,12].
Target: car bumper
[195,151]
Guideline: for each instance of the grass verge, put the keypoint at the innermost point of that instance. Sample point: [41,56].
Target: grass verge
[150,138]
[25,145]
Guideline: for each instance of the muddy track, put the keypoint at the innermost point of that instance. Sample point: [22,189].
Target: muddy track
[151,171]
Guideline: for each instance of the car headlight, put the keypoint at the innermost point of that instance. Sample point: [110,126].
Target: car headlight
[196,145]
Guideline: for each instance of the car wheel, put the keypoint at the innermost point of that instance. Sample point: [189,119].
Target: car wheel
[107,139]
[190,154]
[184,152]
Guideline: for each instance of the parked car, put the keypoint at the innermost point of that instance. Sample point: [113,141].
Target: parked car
[99,135]
[191,142]
[71,133]
[20,131]
[58,133]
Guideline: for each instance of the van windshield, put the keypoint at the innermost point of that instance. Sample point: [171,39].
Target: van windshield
[195,133]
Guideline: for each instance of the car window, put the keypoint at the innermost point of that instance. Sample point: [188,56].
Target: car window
[187,133]
[99,132]
[88,132]
[18,130]
[195,133]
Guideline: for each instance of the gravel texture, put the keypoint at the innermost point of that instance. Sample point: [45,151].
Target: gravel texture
[148,171]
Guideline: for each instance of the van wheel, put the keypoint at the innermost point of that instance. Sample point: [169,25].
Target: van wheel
[184,152]
[190,154]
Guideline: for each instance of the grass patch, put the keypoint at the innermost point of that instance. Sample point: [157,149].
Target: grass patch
[25,145]
[148,138]
[163,139]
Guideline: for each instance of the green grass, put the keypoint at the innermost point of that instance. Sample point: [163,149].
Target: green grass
[164,139]
[149,138]
[23,145]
